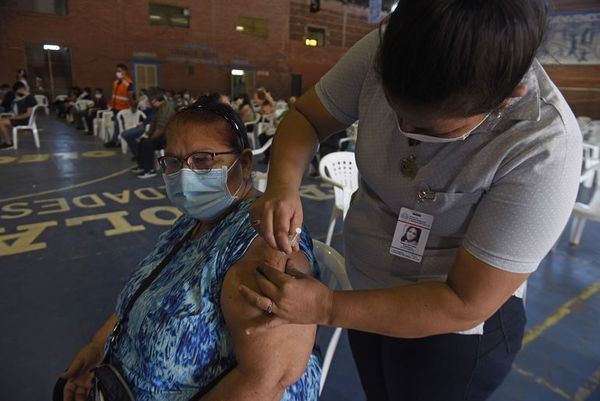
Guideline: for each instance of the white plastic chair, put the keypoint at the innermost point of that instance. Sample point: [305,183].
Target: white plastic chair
[582,212]
[125,124]
[253,135]
[584,122]
[43,102]
[591,158]
[333,275]
[31,126]
[108,127]
[339,169]
[99,123]
[259,179]
[351,135]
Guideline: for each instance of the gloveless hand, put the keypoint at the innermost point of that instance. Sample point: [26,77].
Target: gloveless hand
[291,297]
[78,375]
[276,215]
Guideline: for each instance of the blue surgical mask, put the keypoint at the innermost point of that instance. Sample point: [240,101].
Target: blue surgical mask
[203,195]
[437,139]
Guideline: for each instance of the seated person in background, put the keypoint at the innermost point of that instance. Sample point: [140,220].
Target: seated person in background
[144,101]
[6,98]
[134,126]
[99,104]
[24,102]
[154,139]
[185,334]
[246,110]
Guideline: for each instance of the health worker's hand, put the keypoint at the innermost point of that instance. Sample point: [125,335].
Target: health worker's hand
[276,215]
[288,298]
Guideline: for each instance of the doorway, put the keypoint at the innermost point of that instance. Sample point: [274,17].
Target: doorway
[243,82]
[49,71]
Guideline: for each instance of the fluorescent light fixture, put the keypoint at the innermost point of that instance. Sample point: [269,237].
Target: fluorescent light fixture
[239,28]
[51,47]
[237,72]
[311,42]
[155,17]
[393,7]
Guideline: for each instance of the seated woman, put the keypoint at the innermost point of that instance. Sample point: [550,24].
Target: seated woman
[185,334]
[24,102]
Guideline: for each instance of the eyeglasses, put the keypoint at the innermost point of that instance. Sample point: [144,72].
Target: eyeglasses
[198,162]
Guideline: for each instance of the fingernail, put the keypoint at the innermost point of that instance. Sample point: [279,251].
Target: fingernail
[247,332]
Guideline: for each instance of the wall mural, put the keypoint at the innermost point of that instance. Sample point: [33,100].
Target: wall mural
[572,38]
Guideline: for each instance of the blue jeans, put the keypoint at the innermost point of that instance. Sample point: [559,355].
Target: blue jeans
[449,367]
[131,136]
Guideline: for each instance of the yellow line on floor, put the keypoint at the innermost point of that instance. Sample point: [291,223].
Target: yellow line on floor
[588,388]
[541,381]
[560,313]
[69,187]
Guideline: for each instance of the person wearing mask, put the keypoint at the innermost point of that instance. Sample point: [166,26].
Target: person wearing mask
[154,139]
[24,103]
[183,337]
[123,92]
[465,136]
[99,104]
[143,101]
[22,77]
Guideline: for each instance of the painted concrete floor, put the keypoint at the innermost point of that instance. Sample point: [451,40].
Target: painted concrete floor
[74,223]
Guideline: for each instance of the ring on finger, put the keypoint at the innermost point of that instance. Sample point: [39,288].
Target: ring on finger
[269,309]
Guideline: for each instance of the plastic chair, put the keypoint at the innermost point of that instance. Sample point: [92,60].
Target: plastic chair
[253,135]
[583,212]
[591,158]
[31,125]
[43,102]
[125,125]
[333,274]
[259,178]
[108,126]
[584,123]
[99,123]
[351,135]
[339,169]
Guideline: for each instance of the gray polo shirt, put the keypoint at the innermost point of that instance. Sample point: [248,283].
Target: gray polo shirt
[504,194]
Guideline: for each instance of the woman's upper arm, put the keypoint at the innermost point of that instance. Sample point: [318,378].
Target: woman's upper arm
[279,356]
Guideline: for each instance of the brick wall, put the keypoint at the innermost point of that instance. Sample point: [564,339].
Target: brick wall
[101,34]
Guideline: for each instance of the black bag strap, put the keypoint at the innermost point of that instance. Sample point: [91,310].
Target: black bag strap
[143,286]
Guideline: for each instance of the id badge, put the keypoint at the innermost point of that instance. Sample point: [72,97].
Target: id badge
[412,232]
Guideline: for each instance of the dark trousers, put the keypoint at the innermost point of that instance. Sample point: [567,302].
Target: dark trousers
[131,137]
[449,367]
[147,146]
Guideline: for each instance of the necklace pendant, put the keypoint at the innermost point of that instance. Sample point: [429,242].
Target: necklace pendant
[408,167]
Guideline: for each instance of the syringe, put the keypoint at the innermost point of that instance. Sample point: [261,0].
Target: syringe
[292,239]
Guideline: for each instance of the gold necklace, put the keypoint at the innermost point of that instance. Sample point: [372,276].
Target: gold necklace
[408,165]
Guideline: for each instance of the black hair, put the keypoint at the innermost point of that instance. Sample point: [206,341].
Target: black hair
[21,70]
[88,90]
[98,90]
[463,57]
[156,94]
[207,111]
[122,66]
[144,91]
[417,237]
[18,85]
